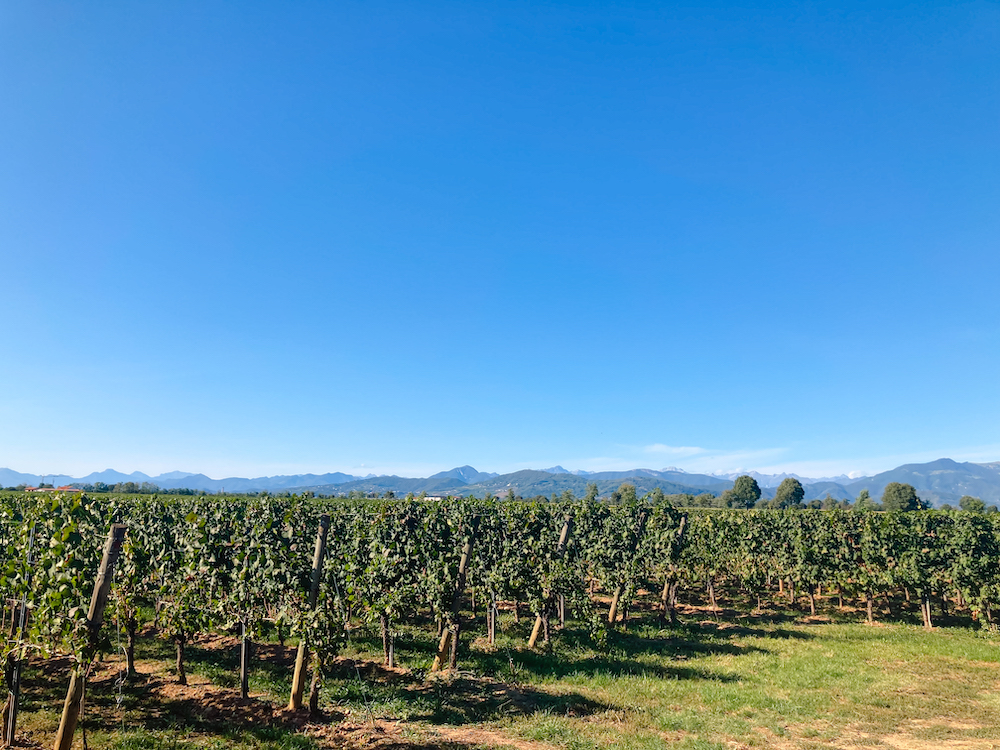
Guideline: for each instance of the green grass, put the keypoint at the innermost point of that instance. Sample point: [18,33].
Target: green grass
[802,683]
[773,681]
[263,738]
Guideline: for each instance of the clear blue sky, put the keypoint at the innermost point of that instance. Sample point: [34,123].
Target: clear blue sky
[259,238]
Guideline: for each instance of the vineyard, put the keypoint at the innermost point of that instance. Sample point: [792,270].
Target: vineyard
[475,577]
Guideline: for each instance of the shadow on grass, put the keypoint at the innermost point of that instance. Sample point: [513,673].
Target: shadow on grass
[260,738]
[646,649]
[496,687]
[461,698]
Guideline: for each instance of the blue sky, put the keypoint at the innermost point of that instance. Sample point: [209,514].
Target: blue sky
[268,238]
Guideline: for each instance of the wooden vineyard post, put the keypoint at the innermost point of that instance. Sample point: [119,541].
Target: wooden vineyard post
[448,645]
[95,617]
[388,641]
[299,677]
[668,597]
[536,630]
[491,622]
[18,619]
[244,661]
[613,612]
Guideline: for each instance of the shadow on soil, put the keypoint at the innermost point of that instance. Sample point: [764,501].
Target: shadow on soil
[496,685]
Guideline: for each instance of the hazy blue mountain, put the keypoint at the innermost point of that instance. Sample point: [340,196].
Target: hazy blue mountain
[179,479]
[773,480]
[399,485]
[176,480]
[529,483]
[701,482]
[841,479]
[11,478]
[171,475]
[110,476]
[526,483]
[939,482]
[464,474]
[819,490]
[694,480]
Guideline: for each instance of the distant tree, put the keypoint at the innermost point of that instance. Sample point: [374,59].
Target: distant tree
[592,492]
[789,494]
[898,496]
[390,495]
[972,504]
[865,502]
[624,494]
[656,497]
[744,494]
[706,500]
[510,496]
[829,503]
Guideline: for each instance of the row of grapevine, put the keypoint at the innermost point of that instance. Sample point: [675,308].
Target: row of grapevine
[235,564]
[864,554]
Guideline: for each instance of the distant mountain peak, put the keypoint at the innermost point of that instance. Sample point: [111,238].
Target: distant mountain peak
[175,475]
[556,470]
[465,474]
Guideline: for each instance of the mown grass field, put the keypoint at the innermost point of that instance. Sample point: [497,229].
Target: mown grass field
[777,679]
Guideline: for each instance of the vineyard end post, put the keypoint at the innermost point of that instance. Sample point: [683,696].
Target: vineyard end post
[302,657]
[18,619]
[620,589]
[560,546]
[244,661]
[447,649]
[95,618]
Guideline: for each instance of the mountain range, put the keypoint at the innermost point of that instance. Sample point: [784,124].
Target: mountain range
[939,482]
[181,479]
